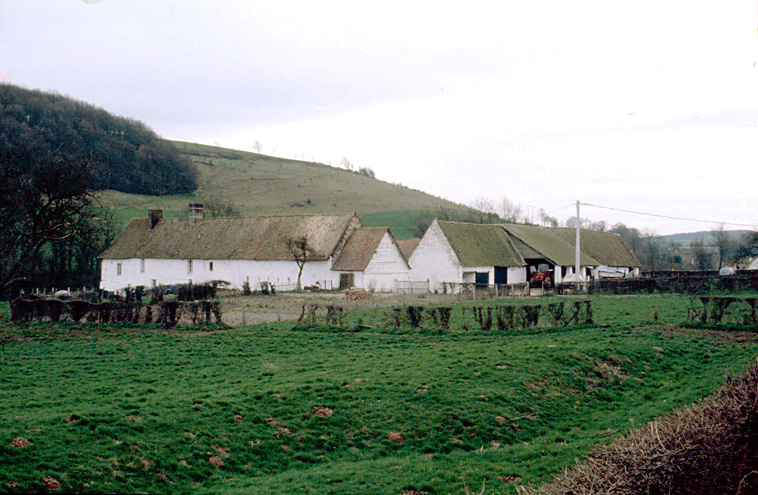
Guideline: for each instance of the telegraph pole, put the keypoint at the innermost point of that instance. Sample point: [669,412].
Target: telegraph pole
[577,266]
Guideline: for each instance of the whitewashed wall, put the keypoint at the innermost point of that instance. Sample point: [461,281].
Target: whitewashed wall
[386,266]
[516,274]
[434,260]
[150,272]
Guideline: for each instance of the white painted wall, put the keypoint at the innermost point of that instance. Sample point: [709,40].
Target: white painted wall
[516,275]
[135,271]
[434,260]
[386,266]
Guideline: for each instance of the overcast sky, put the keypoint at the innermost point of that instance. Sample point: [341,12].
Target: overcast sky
[648,105]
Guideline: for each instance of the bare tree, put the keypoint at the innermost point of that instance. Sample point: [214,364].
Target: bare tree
[347,164]
[701,255]
[484,207]
[720,240]
[546,220]
[301,252]
[510,211]
[258,147]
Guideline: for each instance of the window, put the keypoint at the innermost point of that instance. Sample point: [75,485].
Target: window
[118,268]
[189,266]
[142,265]
[210,266]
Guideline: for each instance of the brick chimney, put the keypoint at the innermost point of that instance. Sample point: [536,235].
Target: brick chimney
[195,213]
[154,216]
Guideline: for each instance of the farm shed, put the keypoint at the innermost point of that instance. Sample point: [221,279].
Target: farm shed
[603,254]
[465,252]
[512,253]
[372,260]
[156,251]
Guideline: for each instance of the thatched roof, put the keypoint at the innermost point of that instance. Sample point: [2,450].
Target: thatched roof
[253,238]
[360,248]
[606,247]
[549,245]
[481,244]
[407,246]
[511,244]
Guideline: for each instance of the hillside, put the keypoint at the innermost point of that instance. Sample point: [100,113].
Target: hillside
[687,238]
[255,184]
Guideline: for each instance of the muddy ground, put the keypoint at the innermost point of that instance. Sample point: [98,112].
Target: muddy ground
[254,309]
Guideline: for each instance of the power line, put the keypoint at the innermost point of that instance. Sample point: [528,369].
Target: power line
[563,208]
[754,227]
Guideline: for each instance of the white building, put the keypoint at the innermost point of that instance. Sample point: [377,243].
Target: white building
[157,251]
[372,260]
[454,252]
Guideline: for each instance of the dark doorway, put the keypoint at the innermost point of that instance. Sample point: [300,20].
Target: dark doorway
[347,281]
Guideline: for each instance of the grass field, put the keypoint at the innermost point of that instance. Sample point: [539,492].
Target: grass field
[269,409]
[256,184]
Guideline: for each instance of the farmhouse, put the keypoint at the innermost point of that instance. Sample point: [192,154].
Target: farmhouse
[157,251]
[510,254]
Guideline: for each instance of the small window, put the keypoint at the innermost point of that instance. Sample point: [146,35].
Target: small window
[118,268]
[210,266]
[189,266]
[142,265]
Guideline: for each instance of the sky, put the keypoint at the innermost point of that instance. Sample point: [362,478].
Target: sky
[645,106]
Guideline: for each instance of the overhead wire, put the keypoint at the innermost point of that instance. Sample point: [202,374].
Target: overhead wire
[669,217]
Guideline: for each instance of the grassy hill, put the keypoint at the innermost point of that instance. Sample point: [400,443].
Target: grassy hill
[255,184]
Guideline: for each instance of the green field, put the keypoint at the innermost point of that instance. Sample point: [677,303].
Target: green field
[255,184]
[269,409]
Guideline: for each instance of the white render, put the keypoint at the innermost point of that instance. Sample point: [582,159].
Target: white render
[152,272]
[434,260]
[386,266]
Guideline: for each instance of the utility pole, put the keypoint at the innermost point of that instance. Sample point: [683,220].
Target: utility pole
[577,266]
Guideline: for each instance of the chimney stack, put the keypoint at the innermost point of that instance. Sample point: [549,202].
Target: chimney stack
[195,213]
[154,216]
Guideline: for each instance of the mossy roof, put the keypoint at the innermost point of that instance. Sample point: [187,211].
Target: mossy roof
[551,246]
[253,238]
[480,244]
[606,247]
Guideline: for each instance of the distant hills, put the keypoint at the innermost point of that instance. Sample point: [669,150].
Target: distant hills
[685,239]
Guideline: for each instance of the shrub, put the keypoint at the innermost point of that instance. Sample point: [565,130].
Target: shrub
[709,447]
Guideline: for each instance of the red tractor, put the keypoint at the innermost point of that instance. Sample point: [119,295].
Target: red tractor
[542,277]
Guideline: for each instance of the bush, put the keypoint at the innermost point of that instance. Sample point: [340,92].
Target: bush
[710,447]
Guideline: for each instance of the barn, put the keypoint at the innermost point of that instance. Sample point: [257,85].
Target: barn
[372,260]
[456,252]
